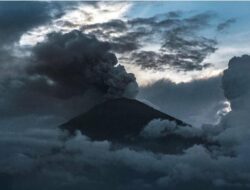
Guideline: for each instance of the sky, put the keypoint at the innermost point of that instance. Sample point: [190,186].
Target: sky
[187,59]
[229,40]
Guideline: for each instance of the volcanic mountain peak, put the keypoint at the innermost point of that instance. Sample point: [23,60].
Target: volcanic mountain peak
[116,119]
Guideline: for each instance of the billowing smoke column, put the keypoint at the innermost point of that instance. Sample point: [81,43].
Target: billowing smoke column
[236,86]
[75,62]
[236,81]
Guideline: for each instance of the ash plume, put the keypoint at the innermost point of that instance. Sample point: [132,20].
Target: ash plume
[74,62]
[70,72]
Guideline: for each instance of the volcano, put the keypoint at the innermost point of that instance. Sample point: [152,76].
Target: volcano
[121,122]
[116,119]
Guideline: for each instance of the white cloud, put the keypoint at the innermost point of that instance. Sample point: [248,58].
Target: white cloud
[73,19]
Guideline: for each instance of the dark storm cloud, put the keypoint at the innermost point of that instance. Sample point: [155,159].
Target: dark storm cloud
[15,19]
[57,78]
[195,102]
[63,70]
[236,79]
[181,45]
[236,124]
[226,24]
[75,62]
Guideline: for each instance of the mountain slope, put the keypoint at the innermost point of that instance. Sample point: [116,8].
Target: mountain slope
[122,120]
[116,119]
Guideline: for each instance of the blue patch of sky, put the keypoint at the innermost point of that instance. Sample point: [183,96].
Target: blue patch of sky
[237,35]
[224,10]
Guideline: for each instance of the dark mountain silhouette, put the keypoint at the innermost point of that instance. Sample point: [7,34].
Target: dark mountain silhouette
[121,121]
[116,119]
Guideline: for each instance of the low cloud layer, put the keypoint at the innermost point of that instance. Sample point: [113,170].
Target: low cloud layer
[158,128]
